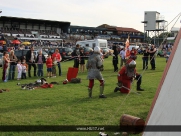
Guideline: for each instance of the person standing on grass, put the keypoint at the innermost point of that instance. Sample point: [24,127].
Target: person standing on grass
[95,66]
[76,55]
[167,54]
[49,66]
[40,60]
[115,58]
[152,52]
[30,59]
[5,66]
[58,57]
[24,69]
[145,58]
[13,63]
[19,69]
[133,54]
[101,55]
[123,58]
[54,71]
[82,60]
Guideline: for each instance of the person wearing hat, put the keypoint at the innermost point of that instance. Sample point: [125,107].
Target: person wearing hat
[126,75]
[95,66]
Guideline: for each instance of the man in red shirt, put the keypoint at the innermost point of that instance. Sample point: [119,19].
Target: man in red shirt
[133,54]
[58,58]
[126,75]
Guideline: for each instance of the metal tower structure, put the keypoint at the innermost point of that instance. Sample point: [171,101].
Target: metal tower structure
[154,25]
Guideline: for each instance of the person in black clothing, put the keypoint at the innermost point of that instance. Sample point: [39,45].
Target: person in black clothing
[76,55]
[152,52]
[5,48]
[115,58]
[82,60]
[145,58]
[30,59]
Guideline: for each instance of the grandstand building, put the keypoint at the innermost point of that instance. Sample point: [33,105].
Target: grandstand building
[26,28]
[111,33]
[37,29]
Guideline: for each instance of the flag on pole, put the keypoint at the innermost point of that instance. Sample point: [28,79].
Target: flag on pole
[127,51]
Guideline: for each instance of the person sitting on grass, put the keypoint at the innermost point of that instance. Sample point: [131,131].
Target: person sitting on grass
[49,66]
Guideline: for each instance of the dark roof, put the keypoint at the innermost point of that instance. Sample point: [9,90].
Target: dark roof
[124,29]
[105,26]
[86,27]
[127,29]
[30,20]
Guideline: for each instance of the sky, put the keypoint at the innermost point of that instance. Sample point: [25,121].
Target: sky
[92,13]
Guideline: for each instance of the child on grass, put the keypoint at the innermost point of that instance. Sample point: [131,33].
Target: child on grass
[19,69]
[49,66]
[24,69]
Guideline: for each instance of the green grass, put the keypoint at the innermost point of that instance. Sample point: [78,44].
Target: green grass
[69,104]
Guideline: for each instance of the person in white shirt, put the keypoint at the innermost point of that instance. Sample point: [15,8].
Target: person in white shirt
[19,68]
[122,55]
[102,55]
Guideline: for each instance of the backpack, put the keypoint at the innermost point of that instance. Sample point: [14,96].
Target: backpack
[75,80]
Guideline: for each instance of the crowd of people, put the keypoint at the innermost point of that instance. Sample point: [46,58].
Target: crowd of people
[126,75]
[11,65]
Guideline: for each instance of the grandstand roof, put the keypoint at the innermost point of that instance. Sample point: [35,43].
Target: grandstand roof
[30,20]
[86,27]
[124,29]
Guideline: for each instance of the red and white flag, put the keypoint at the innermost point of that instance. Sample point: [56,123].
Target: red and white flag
[127,51]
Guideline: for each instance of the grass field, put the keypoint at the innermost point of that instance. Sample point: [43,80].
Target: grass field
[69,104]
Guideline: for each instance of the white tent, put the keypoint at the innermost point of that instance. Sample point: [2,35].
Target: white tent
[166,106]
